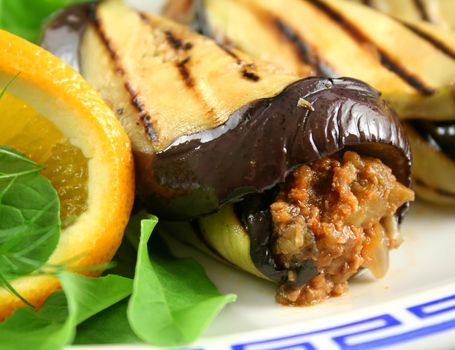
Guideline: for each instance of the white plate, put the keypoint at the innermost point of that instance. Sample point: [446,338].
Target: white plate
[413,307]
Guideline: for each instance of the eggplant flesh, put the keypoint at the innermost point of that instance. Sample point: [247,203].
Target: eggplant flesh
[211,127]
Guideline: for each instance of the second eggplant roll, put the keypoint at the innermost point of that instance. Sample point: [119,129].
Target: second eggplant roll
[413,67]
[299,181]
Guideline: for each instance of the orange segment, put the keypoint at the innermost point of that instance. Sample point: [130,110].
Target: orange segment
[39,139]
[55,117]
[67,169]
[24,129]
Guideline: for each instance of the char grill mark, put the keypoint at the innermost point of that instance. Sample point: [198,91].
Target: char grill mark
[250,75]
[175,42]
[437,44]
[144,117]
[303,50]
[420,6]
[185,73]
[183,49]
[178,45]
[246,69]
[107,44]
[410,78]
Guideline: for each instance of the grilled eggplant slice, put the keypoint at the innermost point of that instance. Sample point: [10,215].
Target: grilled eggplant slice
[235,145]
[340,38]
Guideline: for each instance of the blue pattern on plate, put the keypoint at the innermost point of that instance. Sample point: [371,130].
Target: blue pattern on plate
[417,325]
[420,311]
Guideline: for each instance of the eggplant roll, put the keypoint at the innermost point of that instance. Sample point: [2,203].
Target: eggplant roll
[412,63]
[299,181]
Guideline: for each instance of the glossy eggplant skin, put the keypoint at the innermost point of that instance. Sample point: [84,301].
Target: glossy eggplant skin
[262,142]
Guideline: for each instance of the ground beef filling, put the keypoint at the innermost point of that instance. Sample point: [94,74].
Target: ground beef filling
[339,213]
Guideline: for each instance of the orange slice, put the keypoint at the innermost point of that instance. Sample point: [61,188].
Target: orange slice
[55,117]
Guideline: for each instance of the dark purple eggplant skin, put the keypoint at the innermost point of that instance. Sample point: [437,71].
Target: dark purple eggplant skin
[265,140]
[63,32]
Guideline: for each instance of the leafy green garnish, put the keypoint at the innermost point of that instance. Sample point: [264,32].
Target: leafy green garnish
[173,300]
[43,330]
[87,295]
[55,324]
[29,216]
[25,17]
[108,327]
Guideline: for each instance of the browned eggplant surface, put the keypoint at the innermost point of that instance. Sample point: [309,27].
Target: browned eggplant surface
[211,127]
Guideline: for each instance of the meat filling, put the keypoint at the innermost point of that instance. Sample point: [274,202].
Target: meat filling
[338,212]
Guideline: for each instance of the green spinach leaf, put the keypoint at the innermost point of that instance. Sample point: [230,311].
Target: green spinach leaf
[55,324]
[89,295]
[43,330]
[173,300]
[29,216]
[108,327]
